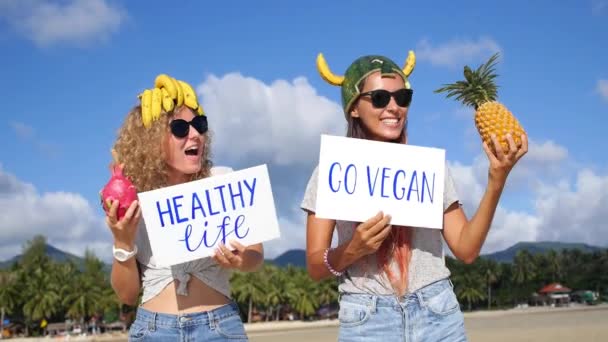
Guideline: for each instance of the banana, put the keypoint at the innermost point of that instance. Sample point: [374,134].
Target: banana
[167,94]
[179,99]
[164,81]
[168,103]
[146,108]
[189,95]
[326,74]
[410,62]
[156,103]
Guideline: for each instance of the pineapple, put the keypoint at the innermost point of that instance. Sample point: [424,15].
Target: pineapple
[491,117]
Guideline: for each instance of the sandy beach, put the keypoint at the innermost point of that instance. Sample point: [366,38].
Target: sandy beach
[543,324]
[577,323]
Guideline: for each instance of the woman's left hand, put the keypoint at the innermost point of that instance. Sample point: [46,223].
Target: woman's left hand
[230,259]
[501,164]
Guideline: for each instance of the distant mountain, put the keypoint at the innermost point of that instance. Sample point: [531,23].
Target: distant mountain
[297,257]
[54,254]
[541,247]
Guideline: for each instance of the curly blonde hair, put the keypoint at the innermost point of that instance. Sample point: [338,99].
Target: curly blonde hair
[142,151]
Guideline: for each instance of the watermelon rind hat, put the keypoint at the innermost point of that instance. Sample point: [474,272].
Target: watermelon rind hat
[359,70]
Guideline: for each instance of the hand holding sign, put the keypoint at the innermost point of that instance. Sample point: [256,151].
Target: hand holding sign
[230,259]
[370,234]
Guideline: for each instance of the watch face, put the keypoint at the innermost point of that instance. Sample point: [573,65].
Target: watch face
[120,254]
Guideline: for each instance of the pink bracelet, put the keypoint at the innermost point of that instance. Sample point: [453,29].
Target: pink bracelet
[326,261]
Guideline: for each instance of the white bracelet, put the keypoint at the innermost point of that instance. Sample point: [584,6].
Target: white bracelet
[326,261]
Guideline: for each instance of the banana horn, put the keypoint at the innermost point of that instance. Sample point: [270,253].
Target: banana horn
[326,73]
[409,63]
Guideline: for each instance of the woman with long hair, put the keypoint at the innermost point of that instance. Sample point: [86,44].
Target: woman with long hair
[161,145]
[393,281]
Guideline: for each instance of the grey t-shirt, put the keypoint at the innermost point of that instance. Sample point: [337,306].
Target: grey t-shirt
[155,278]
[427,264]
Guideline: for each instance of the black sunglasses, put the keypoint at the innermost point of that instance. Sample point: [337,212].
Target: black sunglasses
[381,97]
[180,127]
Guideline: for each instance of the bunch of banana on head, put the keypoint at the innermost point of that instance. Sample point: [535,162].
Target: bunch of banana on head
[167,94]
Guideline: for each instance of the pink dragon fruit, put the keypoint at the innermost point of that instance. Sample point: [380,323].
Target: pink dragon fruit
[120,188]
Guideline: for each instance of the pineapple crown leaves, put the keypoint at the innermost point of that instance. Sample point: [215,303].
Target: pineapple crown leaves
[478,87]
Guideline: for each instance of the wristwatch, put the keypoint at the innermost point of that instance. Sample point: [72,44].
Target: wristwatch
[123,255]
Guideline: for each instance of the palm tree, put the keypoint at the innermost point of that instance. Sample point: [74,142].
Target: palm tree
[274,289]
[302,294]
[84,297]
[554,265]
[524,267]
[8,295]
[42,292]
[470,288]
[524,272]
[327,291]
[247,287]
[492,273]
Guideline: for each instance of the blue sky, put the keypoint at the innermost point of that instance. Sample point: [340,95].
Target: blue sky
[72,69]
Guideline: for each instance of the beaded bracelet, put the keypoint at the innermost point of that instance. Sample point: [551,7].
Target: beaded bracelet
[326,261]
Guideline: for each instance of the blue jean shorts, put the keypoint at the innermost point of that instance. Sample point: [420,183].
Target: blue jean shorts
[428,315]
[221,324]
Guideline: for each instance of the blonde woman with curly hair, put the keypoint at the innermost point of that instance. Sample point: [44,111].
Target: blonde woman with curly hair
[189,301]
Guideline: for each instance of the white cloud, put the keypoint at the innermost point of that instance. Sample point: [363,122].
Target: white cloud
[281,122]
[75,21]
[467,182]
[293,234]
[547,152]
[575,212]
[546,161]
[71,224]
[278,122]
[564,210]
[457,52]
[602,88]
[67,219]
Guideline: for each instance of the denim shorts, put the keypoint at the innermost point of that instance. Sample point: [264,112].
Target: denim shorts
[221,324]
[429,314]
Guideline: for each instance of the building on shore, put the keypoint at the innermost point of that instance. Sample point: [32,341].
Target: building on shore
[554,294]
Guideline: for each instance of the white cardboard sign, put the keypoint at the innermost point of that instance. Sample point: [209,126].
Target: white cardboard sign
[188,221]
[358,178]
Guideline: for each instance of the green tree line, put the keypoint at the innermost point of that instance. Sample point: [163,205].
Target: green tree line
[37,287]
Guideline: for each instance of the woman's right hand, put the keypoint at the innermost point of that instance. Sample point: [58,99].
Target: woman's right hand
[369,235]
[125,229]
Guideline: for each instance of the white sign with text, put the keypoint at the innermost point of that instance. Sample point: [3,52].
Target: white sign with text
[188,221]
[358,178]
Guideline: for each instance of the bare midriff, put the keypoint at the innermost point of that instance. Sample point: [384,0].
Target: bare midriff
[200,298]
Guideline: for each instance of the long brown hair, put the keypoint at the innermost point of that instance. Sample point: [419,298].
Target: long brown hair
[397,247]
